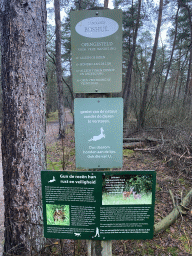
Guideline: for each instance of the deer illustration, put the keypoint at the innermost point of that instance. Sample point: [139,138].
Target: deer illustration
[100,136]
[59,215]
[127,194]
[53,180]
[77,234]
[136,196]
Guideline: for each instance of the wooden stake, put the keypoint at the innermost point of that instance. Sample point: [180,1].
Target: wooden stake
[99,248]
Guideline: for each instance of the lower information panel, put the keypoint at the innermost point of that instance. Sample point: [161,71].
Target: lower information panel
[100,205]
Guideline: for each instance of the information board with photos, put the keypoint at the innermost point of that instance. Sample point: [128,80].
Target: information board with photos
[98,205]
[96,45]
[98,132]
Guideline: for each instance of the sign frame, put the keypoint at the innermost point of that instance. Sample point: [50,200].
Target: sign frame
[97,207]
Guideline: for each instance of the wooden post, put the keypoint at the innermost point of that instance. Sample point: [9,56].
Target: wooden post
[99,248]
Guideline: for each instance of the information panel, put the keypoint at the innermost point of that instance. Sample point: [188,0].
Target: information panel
[98,205]
[96,44]
[98,132]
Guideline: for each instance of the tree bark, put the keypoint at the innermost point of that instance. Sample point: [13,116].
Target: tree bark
[142,113]
[23,37]
[61,108]
[106,2]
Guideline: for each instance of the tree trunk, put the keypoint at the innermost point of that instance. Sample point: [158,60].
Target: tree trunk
[61,109]
[170,61]
[127,87]
[186,93]
[106,2]
[141,120]
[23,129]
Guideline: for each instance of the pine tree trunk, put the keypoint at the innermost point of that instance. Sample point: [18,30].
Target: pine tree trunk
[61,109]
[127,87]
[186,93]
[170,61]
[142,113]
[23,129]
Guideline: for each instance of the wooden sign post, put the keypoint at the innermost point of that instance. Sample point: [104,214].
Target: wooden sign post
[96,42]
[101,205]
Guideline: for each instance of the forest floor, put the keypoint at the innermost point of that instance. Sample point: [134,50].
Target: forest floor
[175,240]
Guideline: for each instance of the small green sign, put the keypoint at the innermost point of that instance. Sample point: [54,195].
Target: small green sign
[96,43]
[98,132]
[112,205]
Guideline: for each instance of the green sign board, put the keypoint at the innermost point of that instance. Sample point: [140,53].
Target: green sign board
[98,205]
[98,132]
[96,43]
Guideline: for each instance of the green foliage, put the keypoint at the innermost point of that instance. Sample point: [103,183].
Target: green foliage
[141,184]
[138,183]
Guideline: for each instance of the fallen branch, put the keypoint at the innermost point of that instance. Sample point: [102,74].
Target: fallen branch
[133,145]
[181,156]
[171,218]
[134,139]
[146,149]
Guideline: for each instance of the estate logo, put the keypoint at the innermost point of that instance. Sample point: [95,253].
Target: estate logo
[96,27]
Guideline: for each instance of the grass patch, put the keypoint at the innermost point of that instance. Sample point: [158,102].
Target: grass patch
[117,199]
[128,152]
[181,181]
[72,152]
[53,116]
[185,243]
[173,251]
[57,166]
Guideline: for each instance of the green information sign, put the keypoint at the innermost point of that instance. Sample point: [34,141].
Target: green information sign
[98,205]
[98,132]
[96,43]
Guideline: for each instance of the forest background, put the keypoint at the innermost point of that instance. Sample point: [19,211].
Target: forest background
[157,90]
[157,84]
[157,77]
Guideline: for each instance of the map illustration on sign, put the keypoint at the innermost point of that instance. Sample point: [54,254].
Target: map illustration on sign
[100,136]
[98,132]
[96,45]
